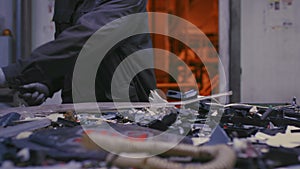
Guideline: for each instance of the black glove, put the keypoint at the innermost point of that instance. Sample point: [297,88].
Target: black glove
[34,93]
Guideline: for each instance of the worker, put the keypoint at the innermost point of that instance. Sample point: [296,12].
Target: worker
[50,67]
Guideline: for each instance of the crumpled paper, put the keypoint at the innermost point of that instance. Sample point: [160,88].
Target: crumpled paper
[288,139]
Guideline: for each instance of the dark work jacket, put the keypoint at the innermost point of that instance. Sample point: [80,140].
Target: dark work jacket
[76,20]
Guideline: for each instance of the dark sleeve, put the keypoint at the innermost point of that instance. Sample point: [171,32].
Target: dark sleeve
[53,60]
[63,18]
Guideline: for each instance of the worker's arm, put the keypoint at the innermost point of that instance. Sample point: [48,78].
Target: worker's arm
[55,59]
[33,94]
[50,63]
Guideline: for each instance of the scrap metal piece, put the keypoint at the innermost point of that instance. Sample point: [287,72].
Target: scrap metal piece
[8,119]
[102,106]
[30,126]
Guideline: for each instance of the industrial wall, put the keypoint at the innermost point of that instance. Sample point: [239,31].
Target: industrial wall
[6,14]
[42,26]
[270,50]
[6,22]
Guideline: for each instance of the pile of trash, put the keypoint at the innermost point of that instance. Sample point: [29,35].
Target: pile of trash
[190,133]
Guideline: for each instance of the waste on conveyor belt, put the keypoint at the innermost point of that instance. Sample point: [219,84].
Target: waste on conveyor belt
[250,136]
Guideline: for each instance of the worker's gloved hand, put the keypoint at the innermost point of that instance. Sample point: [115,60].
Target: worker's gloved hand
[2,79]
[34,93]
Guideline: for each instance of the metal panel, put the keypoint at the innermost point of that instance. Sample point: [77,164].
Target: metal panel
[5,50]
[270,51]
[23,28]
[235,49]
[224,32]
[42,26]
